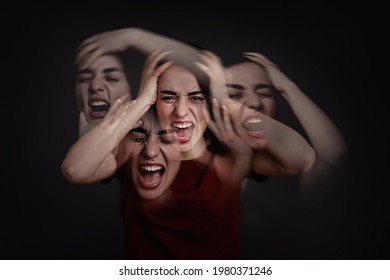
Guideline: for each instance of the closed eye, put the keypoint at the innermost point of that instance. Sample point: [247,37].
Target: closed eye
[168,139]
[196,98]
[169,99]
[82,80]
[138,135]
[235,95]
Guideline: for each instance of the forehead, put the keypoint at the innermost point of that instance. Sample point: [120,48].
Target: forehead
[154,129]
[178,78]
[246,72]
[151,124]
[103,62]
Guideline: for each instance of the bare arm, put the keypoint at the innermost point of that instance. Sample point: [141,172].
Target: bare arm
[94,155]
[234,166]
[278,149]
[286,153]
[137,39]
[326,139]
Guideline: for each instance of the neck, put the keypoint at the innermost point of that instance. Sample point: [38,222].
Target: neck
[195,152]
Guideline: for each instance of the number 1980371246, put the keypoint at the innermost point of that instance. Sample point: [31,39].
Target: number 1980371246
[241,270]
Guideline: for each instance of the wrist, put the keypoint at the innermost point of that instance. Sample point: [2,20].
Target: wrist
[144,103]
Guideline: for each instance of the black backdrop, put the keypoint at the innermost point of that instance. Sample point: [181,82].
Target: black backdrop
[326,49]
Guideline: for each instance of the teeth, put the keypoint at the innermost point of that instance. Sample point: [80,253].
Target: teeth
[99,103]
[151,168]
[182,125]
[254,120]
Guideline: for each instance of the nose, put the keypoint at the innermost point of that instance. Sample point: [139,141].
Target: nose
[182,108]
[253,101]
[152,148]
[96,85]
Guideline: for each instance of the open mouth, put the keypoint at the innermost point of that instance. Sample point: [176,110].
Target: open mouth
[150,175]
[253,125]
[98,108]
[183,131]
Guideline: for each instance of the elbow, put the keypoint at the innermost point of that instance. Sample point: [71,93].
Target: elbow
[309,161]
[301,165]
[331,161]
[72,174]
[342,153]
[338,157]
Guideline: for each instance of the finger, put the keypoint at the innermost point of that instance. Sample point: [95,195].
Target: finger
[156,56]
[217,115]
[88,59]
[214,129]
[163,67]
[210,56]
[238,125]
[153,60]
[121,111]
[139,123]
[217,81]
[117,104]
[115,108]
[235,120]
[255,54]
[89,41]
[203,56]
[211,61]
[226,118]
[85,51]
[203,67]
[258,56]
[254,58]
[126,98]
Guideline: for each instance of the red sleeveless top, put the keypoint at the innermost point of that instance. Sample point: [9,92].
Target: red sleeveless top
[197,218]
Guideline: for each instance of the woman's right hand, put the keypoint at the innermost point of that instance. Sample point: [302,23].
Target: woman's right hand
[102,43]
[148,87]
[278,79]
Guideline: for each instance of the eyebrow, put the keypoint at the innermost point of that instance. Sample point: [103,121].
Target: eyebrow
[84,71]
[194,92]
[139,129]
[111,69]
[171,92]
[105,70]
[261,86]
[162,131]
[235,86]
[240,87]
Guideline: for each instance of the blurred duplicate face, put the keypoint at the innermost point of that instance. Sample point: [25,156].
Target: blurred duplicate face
[155,158]
[254,123]
[182,106]
[248,84]
[99,85]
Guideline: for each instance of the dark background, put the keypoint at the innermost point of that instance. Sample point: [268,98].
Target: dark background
[330,51]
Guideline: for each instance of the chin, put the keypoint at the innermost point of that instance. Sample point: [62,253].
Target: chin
[150,194]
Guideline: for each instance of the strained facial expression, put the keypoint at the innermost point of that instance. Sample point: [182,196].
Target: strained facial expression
[182,106]
[155,158]
[248,84]
[99,85]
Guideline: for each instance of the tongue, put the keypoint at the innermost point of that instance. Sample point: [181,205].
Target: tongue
[151,178]
[183,133]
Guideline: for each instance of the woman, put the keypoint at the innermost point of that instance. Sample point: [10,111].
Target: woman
[199,217]
[254,83]
[201,220]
